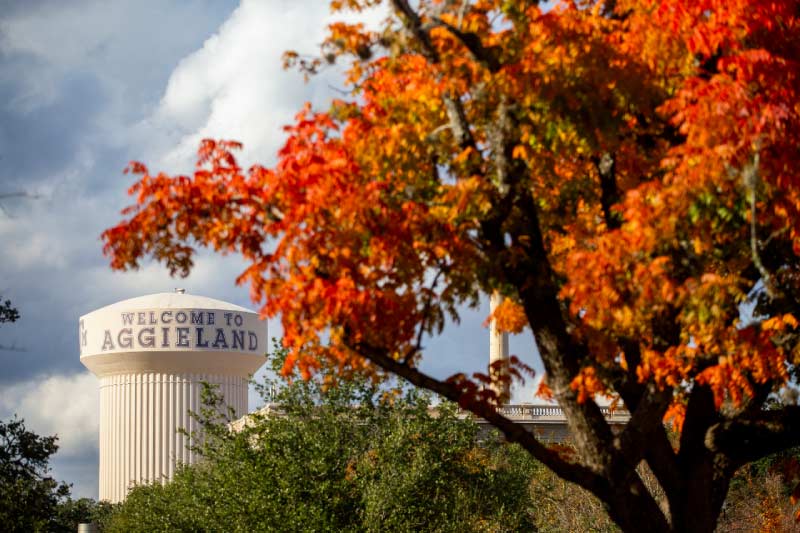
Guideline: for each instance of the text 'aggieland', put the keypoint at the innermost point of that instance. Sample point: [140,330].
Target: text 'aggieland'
[169,329]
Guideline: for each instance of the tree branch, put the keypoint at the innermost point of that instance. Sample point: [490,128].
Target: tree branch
[752,437]
[645,420]
[485,56]
[661,458]
[512,431]
[455,111]
[514,226]
[751,179]
[648,405]
[6,195]
[609,193]
[425,312]
[701,414]
[12,348]
[533,277]
[626,382]
[515,215]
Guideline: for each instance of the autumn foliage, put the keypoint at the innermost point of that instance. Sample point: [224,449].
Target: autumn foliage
[624,172]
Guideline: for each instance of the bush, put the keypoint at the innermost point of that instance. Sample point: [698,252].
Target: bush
[353,457]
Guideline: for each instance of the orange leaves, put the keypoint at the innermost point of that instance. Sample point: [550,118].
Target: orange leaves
[544,391]
[641,137]
[587,384]
[335,251]
[509,317]
[779,323]
[668,368]
[676,415]
[741,101]
[353,5]
[674,275]
[350,38]
[485,388]
[173,209]
[609,288]
[745,358]
[794,498]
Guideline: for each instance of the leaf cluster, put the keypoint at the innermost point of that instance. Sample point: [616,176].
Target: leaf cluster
[8,313]
[30,499]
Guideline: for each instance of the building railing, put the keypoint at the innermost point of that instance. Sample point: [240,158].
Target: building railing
[554,413]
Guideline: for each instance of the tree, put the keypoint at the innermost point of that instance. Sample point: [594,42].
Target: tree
[351,458]
[7,312]
[31,500]
[623,172]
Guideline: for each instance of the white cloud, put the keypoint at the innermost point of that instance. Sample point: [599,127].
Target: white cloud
[66,406]
[235,87]
[110,39]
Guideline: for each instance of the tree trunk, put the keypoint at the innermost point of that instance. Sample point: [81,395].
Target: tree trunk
[699,507]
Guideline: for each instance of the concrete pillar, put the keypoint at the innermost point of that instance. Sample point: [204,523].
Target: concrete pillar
[498,347]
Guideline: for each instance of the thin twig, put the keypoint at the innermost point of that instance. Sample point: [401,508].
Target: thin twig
[751,179]
[426,310]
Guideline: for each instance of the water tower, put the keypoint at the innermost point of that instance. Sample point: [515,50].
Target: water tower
[152,354]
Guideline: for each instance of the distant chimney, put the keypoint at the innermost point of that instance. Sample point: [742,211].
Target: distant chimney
[498,347]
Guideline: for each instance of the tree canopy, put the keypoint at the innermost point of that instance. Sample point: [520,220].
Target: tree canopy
[30,499]
[623,172]
[8,313]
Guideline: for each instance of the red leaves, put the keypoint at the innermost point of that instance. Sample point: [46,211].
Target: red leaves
[509,316]
[368,229]
[485,388]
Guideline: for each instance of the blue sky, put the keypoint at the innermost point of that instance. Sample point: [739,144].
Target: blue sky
[85,87]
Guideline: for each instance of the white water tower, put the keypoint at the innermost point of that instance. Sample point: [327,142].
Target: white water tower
[152,354]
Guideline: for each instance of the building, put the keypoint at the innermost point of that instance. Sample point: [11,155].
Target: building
[152,354]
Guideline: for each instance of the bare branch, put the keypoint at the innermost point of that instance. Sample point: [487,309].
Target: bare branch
[425,312]
[19,194]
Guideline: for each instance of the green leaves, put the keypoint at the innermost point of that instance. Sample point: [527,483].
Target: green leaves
[353,457]
[31,500]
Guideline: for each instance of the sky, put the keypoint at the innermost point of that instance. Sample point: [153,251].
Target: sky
[87,86]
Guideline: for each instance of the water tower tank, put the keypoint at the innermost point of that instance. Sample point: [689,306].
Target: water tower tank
[152,354]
